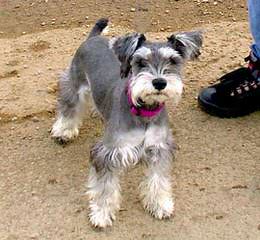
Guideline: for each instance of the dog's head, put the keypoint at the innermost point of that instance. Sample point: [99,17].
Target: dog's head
[155,67]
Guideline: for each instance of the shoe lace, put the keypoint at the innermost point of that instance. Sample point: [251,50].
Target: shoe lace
[245,87]
[253,83]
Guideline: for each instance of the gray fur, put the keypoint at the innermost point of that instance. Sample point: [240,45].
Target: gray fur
[124,48]
[104,158]
[128,139]
[187,43]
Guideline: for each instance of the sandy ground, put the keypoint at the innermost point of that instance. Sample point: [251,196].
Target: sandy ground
[216,180]
[22,17]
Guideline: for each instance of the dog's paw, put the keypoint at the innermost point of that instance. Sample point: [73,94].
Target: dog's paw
[64,136]
[63,132]
[161,209]
[101,218]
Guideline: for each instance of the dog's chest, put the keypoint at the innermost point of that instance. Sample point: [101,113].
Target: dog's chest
[144,138]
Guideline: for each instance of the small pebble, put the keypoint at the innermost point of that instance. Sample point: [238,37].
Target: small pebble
[14,119]
[52,181]
[132,9]
[35,119]
[35,236]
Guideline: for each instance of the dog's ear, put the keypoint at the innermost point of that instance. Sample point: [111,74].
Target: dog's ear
[124,47]
[188,44]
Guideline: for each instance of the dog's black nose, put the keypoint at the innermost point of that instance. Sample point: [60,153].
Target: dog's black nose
[159,83]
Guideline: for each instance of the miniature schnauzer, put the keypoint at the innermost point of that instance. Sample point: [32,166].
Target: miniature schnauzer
[129,79]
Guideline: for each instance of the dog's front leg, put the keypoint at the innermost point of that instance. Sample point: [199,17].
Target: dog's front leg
[104,194]
[103,186]
[156,189]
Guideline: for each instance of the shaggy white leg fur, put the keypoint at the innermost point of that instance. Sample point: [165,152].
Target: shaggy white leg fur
[67,128]
[104,194]
[156,192]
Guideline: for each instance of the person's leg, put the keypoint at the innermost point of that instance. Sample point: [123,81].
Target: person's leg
[254,19]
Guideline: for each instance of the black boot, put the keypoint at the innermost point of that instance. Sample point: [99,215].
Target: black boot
[237,93]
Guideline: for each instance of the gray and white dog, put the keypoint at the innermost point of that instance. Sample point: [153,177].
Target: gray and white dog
[129,79]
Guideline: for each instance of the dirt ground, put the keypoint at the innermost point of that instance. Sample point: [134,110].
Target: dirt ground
[216,179]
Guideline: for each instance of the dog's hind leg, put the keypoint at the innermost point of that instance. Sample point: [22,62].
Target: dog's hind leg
[73,88]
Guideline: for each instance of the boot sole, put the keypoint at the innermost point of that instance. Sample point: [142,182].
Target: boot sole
[215,110]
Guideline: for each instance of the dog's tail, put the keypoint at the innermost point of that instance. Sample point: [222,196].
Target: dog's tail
[98,28]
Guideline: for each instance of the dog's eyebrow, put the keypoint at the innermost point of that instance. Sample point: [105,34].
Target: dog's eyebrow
[143,52]
[167,52]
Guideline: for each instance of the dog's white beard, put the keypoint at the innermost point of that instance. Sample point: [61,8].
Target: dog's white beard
[174,87]
[142,88]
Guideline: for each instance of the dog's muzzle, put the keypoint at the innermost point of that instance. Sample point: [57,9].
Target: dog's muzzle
[142,111]
[159,83]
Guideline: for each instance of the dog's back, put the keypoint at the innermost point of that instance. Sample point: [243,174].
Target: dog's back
[101,65]
[98,63]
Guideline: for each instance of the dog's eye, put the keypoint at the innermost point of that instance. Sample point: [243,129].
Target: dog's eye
[174,60]
[166,71]
[142,63]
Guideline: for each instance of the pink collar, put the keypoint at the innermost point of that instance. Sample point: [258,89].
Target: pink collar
[141,111]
